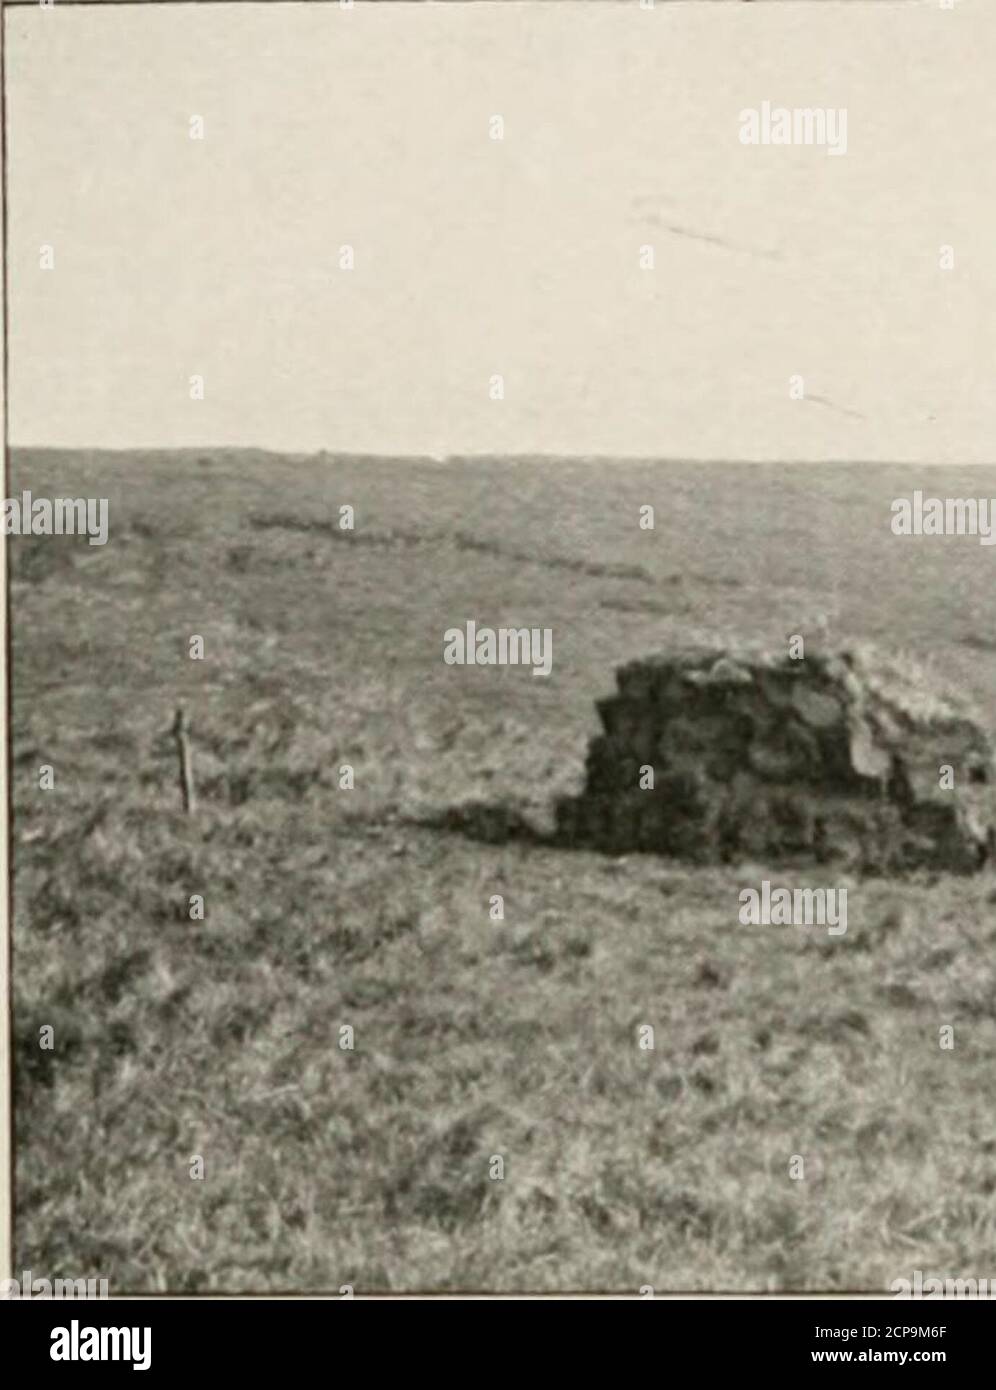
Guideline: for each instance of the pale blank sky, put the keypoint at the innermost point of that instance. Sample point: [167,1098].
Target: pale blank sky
[370,127]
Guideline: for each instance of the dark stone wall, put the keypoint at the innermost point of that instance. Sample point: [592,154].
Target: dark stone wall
[836,757]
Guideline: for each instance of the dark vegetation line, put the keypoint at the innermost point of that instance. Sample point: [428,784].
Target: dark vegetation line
[460,539]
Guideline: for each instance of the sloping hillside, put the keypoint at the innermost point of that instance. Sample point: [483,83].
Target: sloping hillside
[328,908]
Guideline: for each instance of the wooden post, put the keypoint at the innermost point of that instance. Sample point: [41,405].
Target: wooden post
[180,732]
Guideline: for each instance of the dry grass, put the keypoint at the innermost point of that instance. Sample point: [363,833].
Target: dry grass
[328,908]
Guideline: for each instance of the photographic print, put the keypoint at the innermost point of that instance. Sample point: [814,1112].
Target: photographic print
[500,516]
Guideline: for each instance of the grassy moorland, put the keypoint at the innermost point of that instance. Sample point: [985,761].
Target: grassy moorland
[327,907]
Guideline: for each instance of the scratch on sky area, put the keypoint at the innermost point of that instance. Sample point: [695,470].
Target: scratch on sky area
[832,405]
[719,241]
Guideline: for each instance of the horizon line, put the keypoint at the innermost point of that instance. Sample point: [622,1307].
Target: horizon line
[542,456]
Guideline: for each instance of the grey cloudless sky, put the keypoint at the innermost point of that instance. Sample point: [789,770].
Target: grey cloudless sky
[370,128]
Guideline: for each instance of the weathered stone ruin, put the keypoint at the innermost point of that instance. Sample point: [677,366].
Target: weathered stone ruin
[838,757]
